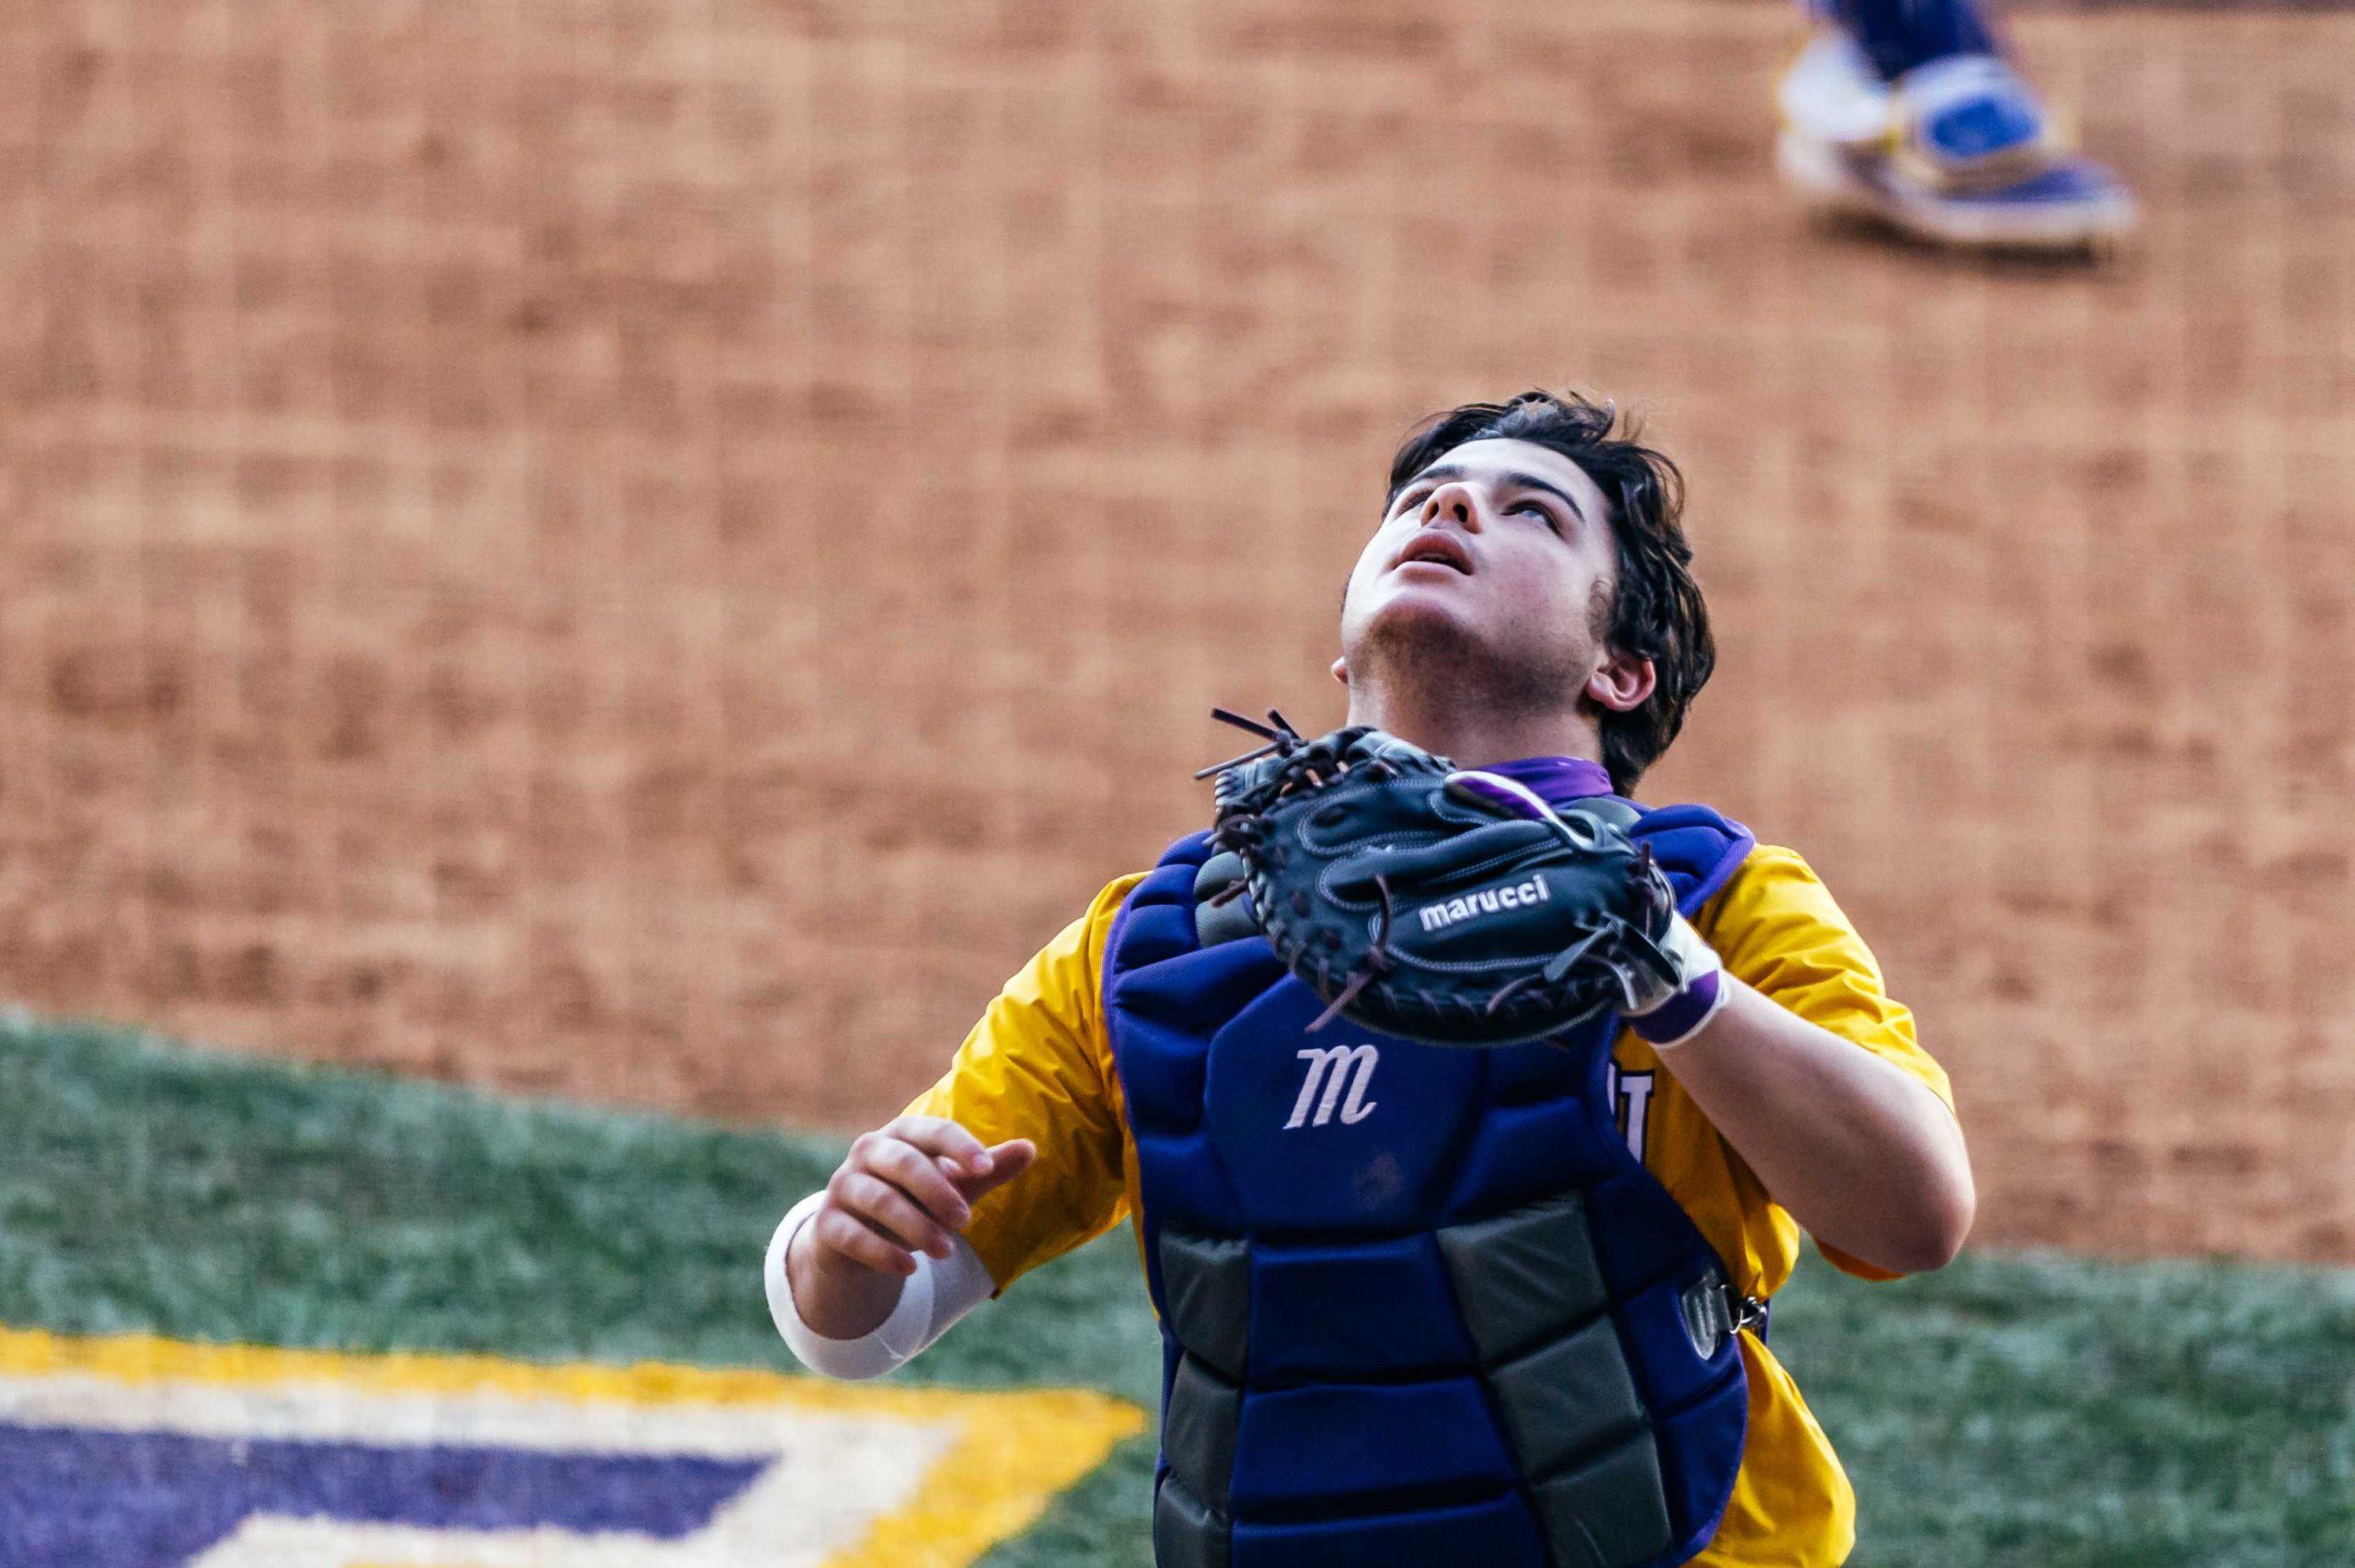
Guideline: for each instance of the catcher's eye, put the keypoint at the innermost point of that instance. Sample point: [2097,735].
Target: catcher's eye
[1542,513]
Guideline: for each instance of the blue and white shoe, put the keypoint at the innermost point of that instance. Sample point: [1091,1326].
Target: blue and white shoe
[1960,151]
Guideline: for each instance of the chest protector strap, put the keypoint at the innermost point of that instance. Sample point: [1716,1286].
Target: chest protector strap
[1419,1305]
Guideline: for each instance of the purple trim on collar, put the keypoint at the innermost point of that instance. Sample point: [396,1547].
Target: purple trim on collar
[1557,780]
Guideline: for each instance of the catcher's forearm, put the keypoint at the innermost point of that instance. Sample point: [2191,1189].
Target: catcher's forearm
[1861,1153]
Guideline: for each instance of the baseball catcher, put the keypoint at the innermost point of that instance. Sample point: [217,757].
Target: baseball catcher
[1468,1111]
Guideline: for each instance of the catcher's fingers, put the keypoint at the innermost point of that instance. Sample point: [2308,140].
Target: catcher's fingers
[888,1210]
[837,1232]
[928,1180]
[1006,1160]
[939,1135]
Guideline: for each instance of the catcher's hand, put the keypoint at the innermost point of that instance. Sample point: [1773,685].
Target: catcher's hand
[1447,905]
[906,1188]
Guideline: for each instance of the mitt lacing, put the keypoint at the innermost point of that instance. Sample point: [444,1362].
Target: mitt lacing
[1279,733]
[1301,762]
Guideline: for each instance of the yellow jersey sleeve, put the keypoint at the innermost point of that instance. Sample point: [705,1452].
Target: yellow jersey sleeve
[1779,929]
[1039,1065]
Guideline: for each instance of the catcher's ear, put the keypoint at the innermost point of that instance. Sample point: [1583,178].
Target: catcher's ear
[1342,670]
[1622,683]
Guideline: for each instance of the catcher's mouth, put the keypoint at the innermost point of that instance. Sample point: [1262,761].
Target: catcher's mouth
[1438,549]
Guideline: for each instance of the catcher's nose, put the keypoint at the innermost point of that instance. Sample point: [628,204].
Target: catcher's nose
[1454,503]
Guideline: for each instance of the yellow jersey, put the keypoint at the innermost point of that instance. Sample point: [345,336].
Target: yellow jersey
[1039,1065]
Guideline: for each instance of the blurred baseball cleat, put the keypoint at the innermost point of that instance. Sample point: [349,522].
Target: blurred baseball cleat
[1959,151]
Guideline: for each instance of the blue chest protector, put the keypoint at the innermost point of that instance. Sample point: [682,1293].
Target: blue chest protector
[1419,1305]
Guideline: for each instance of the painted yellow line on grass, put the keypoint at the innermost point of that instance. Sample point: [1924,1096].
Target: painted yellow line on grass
[1013,1451]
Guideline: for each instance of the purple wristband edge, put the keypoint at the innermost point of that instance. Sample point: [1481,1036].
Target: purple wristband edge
[1681,1013]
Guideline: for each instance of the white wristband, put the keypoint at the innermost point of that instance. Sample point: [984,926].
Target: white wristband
[931,1300]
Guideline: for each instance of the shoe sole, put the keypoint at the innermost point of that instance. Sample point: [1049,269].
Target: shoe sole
[1830,181]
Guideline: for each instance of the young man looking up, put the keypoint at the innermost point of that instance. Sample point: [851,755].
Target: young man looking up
[1524,607]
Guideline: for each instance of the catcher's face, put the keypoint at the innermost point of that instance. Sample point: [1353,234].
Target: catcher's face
[1500,551]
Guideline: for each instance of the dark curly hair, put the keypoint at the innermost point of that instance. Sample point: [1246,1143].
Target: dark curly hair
[1657,611]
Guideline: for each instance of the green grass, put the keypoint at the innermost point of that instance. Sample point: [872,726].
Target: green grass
[2021,1410]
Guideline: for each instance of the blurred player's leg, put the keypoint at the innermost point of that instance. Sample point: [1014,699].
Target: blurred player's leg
[1906,110]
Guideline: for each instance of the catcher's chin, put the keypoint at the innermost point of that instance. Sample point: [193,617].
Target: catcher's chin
[1422,596]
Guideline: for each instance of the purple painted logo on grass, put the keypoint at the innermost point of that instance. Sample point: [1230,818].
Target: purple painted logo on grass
[77,1499]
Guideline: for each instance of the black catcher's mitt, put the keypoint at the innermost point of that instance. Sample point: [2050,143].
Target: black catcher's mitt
[1424,901]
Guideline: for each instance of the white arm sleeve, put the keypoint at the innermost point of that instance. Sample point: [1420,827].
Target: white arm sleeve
[931,1300]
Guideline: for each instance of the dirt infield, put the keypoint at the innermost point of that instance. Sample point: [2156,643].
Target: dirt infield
[653,552]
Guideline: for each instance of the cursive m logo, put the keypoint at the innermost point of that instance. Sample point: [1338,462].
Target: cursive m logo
[1328,1068]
